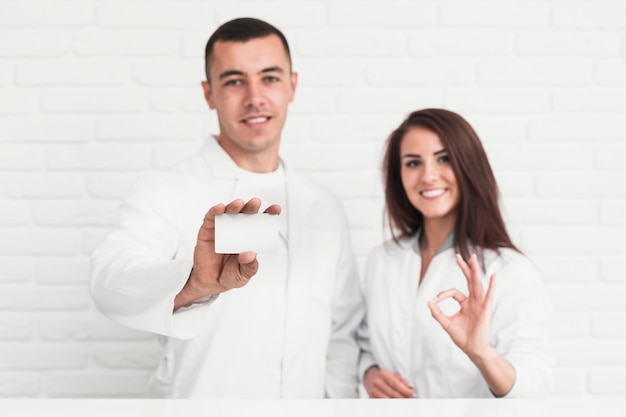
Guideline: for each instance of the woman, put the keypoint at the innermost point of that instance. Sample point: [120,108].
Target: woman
[454,308]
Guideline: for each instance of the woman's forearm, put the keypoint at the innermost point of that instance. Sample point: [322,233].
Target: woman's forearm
[497,371]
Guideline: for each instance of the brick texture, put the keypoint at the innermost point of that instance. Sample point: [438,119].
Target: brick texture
[95,92]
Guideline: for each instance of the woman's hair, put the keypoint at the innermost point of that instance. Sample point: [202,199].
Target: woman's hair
[479,221]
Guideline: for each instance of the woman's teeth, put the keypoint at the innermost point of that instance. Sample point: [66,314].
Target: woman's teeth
[433,193]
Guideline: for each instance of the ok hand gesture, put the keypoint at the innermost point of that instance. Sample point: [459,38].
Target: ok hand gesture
[469,327]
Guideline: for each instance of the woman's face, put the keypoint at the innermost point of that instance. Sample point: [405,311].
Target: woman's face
[427,176]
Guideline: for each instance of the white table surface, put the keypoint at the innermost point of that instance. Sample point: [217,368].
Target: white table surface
[600,407]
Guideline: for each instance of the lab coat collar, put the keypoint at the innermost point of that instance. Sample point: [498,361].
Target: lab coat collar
[219,161]
[300,194]
[222,168]
[301,197]
[447,244]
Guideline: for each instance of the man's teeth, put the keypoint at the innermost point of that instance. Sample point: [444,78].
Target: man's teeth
[433,193]
[256,120]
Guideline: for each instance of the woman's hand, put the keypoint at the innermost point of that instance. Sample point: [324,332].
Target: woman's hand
[385,384]
[469,327]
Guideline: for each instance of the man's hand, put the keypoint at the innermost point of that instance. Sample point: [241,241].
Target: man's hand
[214,273]
[385,384]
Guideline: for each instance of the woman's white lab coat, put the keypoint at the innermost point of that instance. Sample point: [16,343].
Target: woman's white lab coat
[293,338]
[403,336]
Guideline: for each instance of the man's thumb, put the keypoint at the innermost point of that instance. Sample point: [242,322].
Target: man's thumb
[248,264]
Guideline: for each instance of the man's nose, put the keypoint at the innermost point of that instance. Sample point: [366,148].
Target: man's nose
[254,95]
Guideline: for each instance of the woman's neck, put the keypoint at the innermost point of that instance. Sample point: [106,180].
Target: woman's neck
[434,233]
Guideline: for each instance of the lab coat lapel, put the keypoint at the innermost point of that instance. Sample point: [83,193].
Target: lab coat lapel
[221,169]
[300,195]
[300,199]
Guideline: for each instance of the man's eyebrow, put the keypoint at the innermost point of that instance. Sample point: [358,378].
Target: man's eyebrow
[230,73]
[273,69]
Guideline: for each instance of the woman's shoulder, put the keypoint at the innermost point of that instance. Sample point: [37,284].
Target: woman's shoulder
[391,248]
[508,262]
[389,253]
[389,258]
[506,256]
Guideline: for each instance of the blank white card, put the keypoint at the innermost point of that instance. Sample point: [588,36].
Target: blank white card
[236,233]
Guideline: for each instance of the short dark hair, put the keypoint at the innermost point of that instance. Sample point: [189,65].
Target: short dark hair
[479,221]
[241,30]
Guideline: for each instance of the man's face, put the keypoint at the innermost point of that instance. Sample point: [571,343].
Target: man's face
[251,86]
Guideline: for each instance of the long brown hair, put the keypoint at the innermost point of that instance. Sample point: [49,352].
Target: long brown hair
[479,221]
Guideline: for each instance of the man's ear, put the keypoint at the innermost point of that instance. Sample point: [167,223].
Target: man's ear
[208,96]
[294,85]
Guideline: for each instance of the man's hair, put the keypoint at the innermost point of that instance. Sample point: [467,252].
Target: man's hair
[241,30]
[479,221]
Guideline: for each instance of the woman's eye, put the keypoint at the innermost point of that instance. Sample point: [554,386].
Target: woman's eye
[412,164]
[444,158]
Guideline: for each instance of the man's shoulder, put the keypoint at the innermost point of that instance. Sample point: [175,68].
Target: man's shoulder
[184,177]
[196,165]
[163,188]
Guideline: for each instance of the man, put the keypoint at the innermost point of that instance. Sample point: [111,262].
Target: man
[280,326]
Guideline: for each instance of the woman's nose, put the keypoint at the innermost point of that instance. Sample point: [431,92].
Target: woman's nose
[431,171]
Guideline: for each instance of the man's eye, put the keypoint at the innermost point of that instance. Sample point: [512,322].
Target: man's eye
[233,82]
[271,79]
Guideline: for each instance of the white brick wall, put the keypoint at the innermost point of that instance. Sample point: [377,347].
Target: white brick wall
[92,93]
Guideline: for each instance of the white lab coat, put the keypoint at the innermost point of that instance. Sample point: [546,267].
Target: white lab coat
[402,336]
[294,339]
